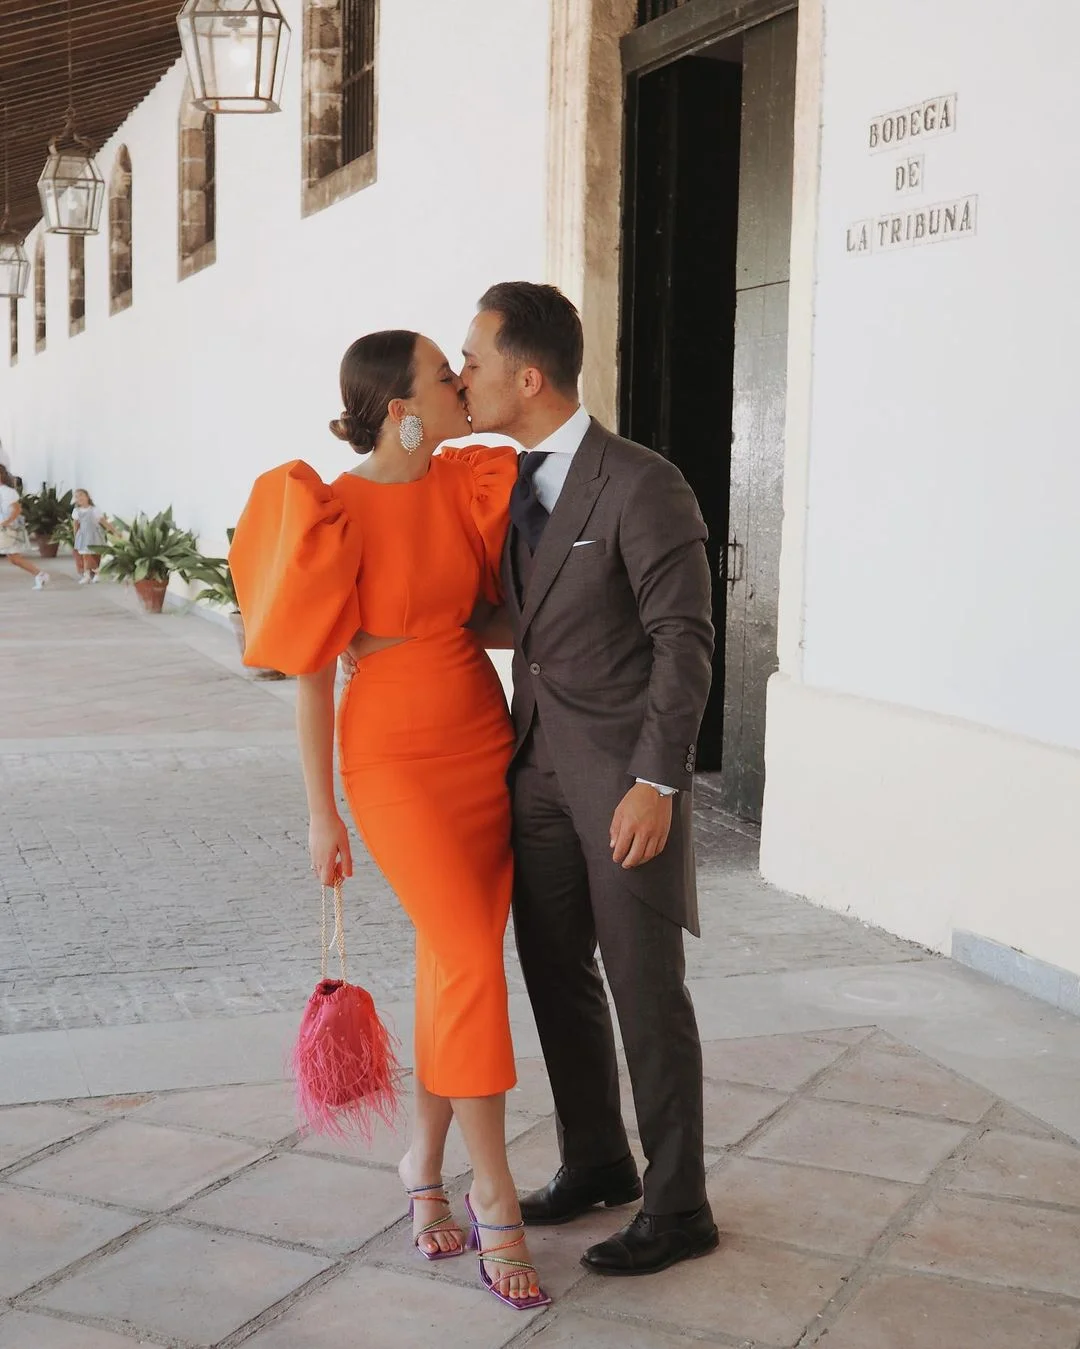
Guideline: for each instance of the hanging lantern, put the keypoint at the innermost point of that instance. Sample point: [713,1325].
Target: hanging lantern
[71,188]
[235,52]
[14,264]
[14,268]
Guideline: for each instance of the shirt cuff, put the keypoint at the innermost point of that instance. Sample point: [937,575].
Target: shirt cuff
[664,791]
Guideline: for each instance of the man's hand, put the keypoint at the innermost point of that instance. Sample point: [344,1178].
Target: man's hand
[640,826]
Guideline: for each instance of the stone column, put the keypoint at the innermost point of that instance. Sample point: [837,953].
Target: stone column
[585,166]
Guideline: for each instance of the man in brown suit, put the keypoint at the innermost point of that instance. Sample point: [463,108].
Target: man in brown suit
[608,590]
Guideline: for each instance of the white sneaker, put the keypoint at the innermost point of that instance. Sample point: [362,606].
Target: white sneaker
[84,579]
[41,580]
[94,578]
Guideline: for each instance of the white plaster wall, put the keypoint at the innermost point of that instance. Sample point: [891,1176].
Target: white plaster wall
[202,384]
[942,550]
[921,755]
[922,824]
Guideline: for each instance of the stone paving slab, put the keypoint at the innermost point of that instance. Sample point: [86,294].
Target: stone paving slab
[19,1330]
[285,1246]
[50,1234]
[183,1283]
[899,1312]
[139,1165]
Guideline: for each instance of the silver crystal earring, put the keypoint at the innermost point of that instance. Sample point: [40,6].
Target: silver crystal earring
[411,432]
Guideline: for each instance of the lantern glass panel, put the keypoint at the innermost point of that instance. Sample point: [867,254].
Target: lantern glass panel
[72,193]
[14,270]
[235,52]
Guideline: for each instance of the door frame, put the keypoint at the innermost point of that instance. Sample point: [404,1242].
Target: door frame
[682,32]
[694,25]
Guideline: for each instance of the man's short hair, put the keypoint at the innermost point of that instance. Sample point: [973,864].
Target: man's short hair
[539,327]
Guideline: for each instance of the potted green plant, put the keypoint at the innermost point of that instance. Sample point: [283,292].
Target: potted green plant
[218,590]
[146,552]
[45,513]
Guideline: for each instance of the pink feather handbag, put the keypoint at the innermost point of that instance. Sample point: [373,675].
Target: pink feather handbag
[346,1068]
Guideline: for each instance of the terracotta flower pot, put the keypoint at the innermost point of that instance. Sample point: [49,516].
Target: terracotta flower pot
[237,621]
[46,547]
[152,594]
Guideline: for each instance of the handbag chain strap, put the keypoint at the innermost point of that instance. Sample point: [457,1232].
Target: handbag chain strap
[339,930]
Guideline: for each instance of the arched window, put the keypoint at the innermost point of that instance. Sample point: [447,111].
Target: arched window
[198,187]
[76,283]
[120,233]
[39,294]
[339,99]
[13,331]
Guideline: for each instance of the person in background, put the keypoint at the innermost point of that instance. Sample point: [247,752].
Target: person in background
[91,526]
[13,530]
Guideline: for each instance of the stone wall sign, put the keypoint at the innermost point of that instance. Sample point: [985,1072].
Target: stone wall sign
[909,127]
[904,132]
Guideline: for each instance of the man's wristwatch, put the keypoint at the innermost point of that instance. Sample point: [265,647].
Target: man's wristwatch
[657,787]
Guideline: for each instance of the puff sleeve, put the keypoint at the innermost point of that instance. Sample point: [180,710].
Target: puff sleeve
[493,473]
[295,559]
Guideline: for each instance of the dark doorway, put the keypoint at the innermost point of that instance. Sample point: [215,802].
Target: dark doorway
[678,339]
[703,342]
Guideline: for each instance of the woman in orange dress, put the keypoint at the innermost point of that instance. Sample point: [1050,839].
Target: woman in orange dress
[405,550]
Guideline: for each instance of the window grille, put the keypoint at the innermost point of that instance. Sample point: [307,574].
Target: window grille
[357,79]
[653,9]
[210,160]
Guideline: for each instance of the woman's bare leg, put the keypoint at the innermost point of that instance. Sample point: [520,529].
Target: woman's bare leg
[482,1120]
[423,1165]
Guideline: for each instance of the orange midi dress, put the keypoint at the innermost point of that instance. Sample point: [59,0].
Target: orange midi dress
[423,732]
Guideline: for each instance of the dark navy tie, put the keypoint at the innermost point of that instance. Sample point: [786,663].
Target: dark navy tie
[526,509]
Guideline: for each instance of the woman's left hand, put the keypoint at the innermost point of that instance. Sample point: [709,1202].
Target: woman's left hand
[328,843]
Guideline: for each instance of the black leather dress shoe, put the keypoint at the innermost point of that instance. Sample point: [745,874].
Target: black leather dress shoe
[653,1242]
[575,1190]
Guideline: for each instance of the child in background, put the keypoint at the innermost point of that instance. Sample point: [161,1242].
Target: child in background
[13,530]
[90,528]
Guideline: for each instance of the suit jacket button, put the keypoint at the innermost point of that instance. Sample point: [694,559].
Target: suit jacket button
[535,669]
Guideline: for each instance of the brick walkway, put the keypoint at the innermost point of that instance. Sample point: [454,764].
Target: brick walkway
[153,877]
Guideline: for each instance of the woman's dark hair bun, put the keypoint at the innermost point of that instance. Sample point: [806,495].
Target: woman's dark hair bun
[374,371]
[347,427]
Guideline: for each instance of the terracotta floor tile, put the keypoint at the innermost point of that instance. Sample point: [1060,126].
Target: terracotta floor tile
[140,1165]
[330,1206]
[782,1062]
[195,1286]
[383,1309]
[1022,1168]
[827,1211]
[903,1080]
[751,1291]
[26,1129]
[42,1234]
[21,1331]
[265,1112]
[909,1312]
[572,1330]
[860,1139]
[993,1242]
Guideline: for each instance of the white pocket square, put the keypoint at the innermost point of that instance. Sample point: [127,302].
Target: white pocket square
[584,543]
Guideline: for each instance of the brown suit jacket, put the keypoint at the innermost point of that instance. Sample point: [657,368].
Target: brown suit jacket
[613,648]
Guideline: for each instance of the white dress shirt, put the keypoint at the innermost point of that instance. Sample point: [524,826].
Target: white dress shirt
[550,478]
[561,445]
